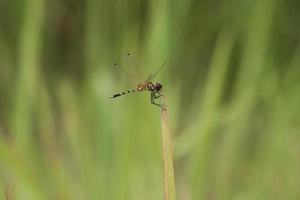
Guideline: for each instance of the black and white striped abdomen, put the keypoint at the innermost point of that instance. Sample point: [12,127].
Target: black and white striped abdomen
[122,93]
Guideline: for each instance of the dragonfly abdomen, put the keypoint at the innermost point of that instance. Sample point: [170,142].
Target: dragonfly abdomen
[122,93]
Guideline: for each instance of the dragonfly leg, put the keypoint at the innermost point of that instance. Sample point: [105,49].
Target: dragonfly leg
[156,97]
[153,96]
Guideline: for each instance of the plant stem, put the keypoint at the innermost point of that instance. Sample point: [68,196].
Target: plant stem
[167,151]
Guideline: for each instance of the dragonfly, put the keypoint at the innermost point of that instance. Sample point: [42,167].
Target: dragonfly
[154,88]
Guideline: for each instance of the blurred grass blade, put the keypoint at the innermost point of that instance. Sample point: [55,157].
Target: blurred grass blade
[167,148]
[211,97]
[26,80]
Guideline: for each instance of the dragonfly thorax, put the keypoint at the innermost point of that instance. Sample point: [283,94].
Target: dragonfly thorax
[142,86]
[154,87]
[149,86]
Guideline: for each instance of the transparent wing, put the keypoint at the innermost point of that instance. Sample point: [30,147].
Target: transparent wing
[130,65]
[126,70]
[153,75]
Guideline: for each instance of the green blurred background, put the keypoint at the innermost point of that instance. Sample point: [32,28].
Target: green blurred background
[232,84]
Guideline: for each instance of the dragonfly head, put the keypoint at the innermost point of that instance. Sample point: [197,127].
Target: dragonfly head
[157,87]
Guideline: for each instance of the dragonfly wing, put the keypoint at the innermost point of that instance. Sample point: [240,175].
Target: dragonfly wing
[125,70]
[156,72]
